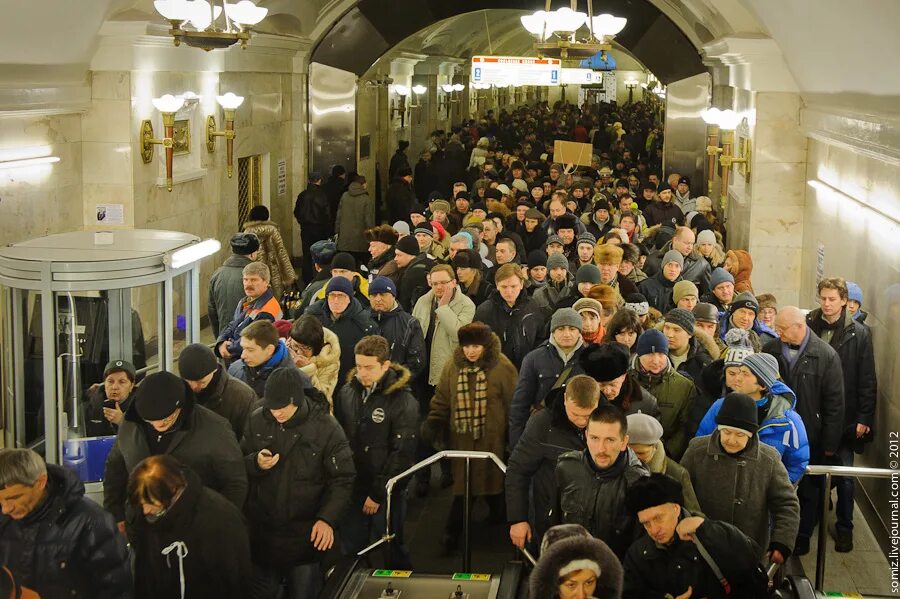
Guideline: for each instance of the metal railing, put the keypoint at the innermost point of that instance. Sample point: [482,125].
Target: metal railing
[468,456]
[828,472]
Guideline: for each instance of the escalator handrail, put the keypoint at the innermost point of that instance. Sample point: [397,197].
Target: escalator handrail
[857,471]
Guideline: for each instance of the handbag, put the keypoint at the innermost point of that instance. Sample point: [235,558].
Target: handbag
[755,587]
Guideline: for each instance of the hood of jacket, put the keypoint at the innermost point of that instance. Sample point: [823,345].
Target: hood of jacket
[745,264]
[356,189]
[488,359]
[782,399]
[544,580]
[395,380]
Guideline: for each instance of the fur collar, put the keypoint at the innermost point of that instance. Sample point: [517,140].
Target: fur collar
[488,359]
[396,379]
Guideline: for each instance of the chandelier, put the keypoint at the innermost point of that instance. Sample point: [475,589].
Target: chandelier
[555,31]
[207,31]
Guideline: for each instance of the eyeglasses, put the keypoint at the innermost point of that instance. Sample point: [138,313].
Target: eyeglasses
[441,283]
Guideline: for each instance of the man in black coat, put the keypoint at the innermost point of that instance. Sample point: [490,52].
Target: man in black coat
[313,213]
[813,370]
[380,417]
[658,288]
[402,331]
[852,341]
[530,475]
[413,268]
[165,418]
[334,188]
[400,196]
[53,539]
[301,473]
[666,561]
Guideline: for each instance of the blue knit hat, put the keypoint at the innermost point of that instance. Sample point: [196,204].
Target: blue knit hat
[719,276]
[382,285]
[341,285]
[854,292]
[652,341]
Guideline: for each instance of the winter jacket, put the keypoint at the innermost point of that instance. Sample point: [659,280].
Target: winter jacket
[658,291]
[323,368]
[594,227]
[230,398]
[595,498]
[640,401]
[743,270]
[663,213]
[660,463]
[351,326]
[674,394]
[308,295]
[532,466]
[654,571]
[355,214]
[265,307]
[448,319]
[550,294]
[203,441]
[400,200]
[414,281]
[199,548]
[479,291]
[68,546]
[381,425]
[438,428]
[817,380]
[405,337]
[521,327]
[702,350]
[312,480]
[257,376]
[696,269]
[540,373]
[782,429]
[273,254]
[313,210]
[853,344]
[383,265]
[226,289]
[95,423]
[750,490]
[334,188]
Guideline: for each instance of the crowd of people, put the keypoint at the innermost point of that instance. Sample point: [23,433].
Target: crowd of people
[588,325]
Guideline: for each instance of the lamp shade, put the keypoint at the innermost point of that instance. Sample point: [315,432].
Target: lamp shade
[710,116]
[401,90]
[245,12]
[168,103]
[200,15]
[607,25]
[534,23]
[565,20]
[230,101]
[174,10]
[419,89]
[458,87]
[447,87]
[728,120]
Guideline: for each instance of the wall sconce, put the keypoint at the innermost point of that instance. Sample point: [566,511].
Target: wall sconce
[168,105]
[725,122]
[446,98]
[229,103]
[417,91]
[399,105]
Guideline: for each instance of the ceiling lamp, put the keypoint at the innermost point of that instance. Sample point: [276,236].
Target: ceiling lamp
[207,30]
[555,31]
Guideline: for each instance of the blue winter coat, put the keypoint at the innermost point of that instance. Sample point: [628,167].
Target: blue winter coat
[782,429]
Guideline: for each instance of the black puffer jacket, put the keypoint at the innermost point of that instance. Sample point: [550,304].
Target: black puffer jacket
[405,336]
[68,546]
[208,531]
[351,326]
[381,428]
[655,572]
[414,281]
[230,398]
[521,328]
[204,442]
[312,480]
[658,291]
[532,465]
[595,499]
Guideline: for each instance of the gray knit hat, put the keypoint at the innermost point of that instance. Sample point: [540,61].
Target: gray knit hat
[682,318]
[565,317]
[764,367]
[719,276]
[557,261]
[706,236]
[739,347]
[644,429]
[587,273]
[673,256]
[586,238]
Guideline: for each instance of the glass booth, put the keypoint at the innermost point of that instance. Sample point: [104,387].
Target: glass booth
[69,304]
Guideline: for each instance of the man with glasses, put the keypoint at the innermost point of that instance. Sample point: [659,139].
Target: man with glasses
[813,370]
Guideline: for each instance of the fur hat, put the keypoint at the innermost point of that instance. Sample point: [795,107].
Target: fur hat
[467,259]
[323,252]
[383,233]
[704,204]
[605,362]
[652,491]
[474,333]
[442,205]
[608,254]
[244,244]
[566,221]
[630,253]
[572,554]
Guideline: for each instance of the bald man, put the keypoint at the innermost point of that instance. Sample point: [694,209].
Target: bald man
[812,369]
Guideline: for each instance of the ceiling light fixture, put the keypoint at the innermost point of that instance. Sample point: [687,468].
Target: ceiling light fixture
[555,31]
[207,31]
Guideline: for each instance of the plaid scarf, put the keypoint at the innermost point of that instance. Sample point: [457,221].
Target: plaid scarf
[471,404]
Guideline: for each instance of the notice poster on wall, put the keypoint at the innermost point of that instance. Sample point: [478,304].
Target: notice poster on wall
[282,177]
[503,71]
[110,214]
[580,76]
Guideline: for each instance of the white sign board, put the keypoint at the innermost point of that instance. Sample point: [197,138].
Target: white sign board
[580,76]
[282,177]
[111,214]
[504,71]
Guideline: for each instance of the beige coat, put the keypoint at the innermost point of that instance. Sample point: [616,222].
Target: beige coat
[273,254]
[323,369]
[459,312]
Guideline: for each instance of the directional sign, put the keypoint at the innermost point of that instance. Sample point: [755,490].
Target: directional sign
[504,71]
[580,76]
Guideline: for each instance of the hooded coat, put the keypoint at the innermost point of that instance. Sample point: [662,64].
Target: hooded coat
[68,546]
[743,270]
[520,327]
[355,214]
[381,426]
[351,326]
[273,254]
[312,480]
[323,367]
[782,429]
[204,441]
[447,321]
[199,548]
[226,289]
[750,490]
[438,429]
[674,395]
[544,580]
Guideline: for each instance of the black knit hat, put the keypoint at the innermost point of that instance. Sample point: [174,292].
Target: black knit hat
[343,260]
[537,258]
[196,361]
[738,411]
[652,491]
[745,299]
[605,362]
[159,395]
[408,245]
[284,386]
[474,333]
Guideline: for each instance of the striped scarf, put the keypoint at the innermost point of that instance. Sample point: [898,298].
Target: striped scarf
[471,404]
